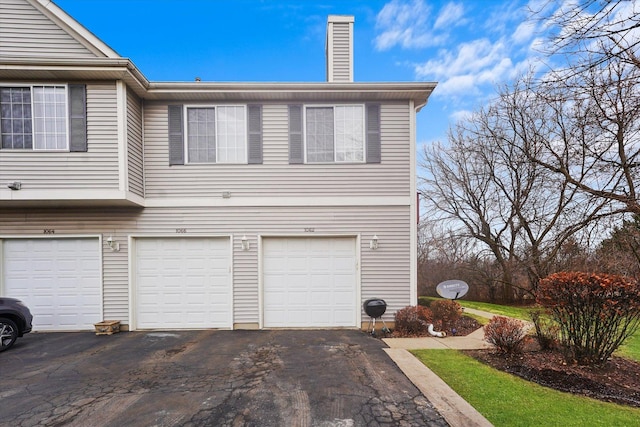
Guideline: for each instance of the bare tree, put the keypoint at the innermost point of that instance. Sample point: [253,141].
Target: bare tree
[484,180]
[595,145]
[445,255]
[591,32]
[528,177]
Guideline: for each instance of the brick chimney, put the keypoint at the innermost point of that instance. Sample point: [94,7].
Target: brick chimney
[339,48]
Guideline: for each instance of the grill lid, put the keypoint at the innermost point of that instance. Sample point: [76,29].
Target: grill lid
[374,307]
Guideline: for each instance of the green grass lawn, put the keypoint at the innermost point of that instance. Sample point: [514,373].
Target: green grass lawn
[506,400]
[631,348]
[502,310]
[518,312]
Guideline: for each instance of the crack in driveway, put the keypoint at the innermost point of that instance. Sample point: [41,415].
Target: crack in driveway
[199,378]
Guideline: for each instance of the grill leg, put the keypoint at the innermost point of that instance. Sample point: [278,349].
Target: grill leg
[384,328]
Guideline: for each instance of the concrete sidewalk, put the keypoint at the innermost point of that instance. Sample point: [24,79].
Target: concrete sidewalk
[457,411]
[473,341]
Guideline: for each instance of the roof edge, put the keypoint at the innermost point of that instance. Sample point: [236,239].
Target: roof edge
[293,86]
[77,30]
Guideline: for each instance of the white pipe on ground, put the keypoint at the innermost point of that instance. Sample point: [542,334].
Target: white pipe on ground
[434,333]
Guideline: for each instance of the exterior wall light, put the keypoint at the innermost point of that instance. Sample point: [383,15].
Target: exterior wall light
[373,244]
[115,246]
[15,185]
[245,243]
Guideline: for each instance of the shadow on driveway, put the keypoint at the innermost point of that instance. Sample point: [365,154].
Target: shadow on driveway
[207,378]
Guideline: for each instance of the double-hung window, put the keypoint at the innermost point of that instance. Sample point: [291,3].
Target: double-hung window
[335,134]
[323,134]
[216,134]
[34,118]
[220,134]
[43,117]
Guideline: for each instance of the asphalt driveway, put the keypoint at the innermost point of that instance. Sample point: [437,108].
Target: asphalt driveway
[207,378]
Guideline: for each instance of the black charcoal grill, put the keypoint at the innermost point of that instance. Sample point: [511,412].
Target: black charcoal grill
[375,308]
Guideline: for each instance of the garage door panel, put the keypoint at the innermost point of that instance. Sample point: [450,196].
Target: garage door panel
[343,316]
[321,297]
[309,282]
[183,283]
[59,279]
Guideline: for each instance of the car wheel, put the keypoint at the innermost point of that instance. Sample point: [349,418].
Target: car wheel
[8,333]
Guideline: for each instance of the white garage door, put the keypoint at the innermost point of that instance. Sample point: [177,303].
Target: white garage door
[183,283]
[58,279]
[309,282]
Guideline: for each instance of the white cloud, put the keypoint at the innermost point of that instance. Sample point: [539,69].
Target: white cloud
[450,16]
[525,32]
[471,57]
[474,66]
[457,85]
[404,24]
[467,47]
[460,115]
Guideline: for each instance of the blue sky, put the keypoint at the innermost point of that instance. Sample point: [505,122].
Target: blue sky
[466,46]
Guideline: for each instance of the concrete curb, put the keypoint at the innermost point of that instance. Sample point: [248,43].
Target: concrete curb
[455,410]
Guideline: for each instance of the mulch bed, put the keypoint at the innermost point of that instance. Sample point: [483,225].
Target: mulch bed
[616,381]
[462,327]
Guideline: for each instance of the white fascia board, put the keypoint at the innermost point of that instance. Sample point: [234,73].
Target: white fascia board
[298,87]
[80,33]
[164,202]
[14,69]
[77,195]
[43,195]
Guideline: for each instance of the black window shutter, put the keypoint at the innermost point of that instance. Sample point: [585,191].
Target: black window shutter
[296,152]
[176,140]
[255,134]
[77,118]
[373,133]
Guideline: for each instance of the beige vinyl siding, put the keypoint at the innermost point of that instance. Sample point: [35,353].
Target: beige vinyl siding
[341,53]
[276,177]
[97,169]
[384,272]
[26,32]
[134,144]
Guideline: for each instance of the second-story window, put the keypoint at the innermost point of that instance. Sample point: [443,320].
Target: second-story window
[335,134]
[216,134]
[43,118]
[34,118]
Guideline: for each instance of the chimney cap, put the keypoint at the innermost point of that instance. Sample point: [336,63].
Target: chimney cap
[341,18]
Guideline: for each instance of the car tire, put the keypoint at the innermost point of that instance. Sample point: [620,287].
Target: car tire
[8,333]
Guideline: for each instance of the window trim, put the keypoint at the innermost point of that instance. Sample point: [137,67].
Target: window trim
[333,106]
[185,143]
[33,120]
